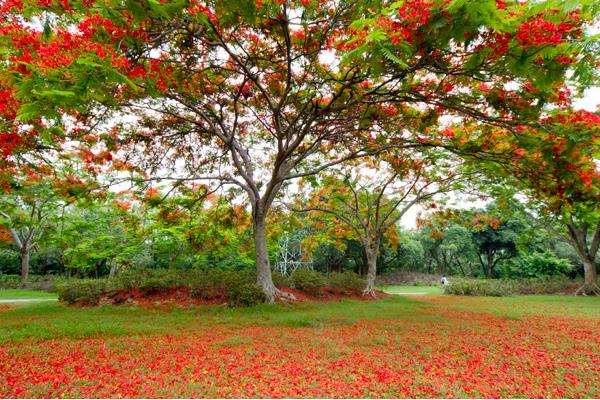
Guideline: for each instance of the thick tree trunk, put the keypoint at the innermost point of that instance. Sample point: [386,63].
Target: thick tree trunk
[579,240]
[489,266]
[371,255]
[371,275]
[264,278]
[590,282]
[25,256]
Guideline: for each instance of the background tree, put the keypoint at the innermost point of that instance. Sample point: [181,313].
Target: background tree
[559,181]
[371,198]
[495,241]
[26,211]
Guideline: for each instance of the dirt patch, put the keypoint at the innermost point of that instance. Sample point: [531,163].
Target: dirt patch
[163,296]
[328,295]
[184,297]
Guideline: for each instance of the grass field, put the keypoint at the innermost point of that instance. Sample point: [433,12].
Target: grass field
[25,294]
[425,346]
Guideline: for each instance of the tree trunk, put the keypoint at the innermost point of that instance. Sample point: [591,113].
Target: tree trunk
[462,270]
[579,241]
[371,255]
[489,266]
[590,282]
[25,255]
[113,268]
[264,278]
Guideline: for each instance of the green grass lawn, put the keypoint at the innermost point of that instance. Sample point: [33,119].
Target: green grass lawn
[413,346]
[25,294]
[49,320]
[426,290]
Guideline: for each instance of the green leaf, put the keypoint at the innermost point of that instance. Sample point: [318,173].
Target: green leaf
[53,93]
[392,57]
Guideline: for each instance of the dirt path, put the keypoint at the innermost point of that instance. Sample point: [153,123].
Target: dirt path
[24,300]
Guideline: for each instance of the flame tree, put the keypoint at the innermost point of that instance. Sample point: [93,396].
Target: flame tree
[256,93]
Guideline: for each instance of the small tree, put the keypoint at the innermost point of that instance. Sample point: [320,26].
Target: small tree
[26,212]
[370,199]
[495,241]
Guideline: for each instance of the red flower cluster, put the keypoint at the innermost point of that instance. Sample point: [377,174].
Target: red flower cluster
[4,234]
[541,32]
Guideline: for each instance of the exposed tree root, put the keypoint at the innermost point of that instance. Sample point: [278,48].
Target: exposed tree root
[370,292]
[281,295]
[588,289]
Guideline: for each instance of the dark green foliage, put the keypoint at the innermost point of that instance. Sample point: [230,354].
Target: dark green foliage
[83,291]
[245,295]
[546,285]
[538,264]
[162,279]
[131,278]
[216,283]
[10,281]
[508,287]
[346,283]
[309,281]
[280,280]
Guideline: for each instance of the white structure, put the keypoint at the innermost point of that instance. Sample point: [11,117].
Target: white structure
[290,256]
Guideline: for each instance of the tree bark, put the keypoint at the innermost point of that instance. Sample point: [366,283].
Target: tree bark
[579,240]
[25,256]
[590,280]
[113,268]
[371,253]
[490,265]
[264,278]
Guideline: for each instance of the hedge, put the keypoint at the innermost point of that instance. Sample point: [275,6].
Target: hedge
[509,287]
[236,288]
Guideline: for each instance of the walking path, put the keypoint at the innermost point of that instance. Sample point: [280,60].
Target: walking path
[410,293]
[24,300]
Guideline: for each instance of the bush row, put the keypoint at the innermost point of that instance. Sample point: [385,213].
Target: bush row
[234,287]
[34,282]
[508,287]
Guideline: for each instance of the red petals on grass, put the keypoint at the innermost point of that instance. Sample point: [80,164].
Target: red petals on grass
[437,352]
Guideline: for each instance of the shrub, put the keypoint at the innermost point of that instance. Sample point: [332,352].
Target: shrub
[130,278]
[478,287]
[245,295]
[10,281]
[497,287]
[34,282]
[308,280]
[162,279]
[83,291]
[280,280]
[346,282]
[215,283]
[538,265]
[546,285]
[408,278]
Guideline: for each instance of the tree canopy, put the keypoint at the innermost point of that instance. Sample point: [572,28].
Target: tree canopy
[246,96]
